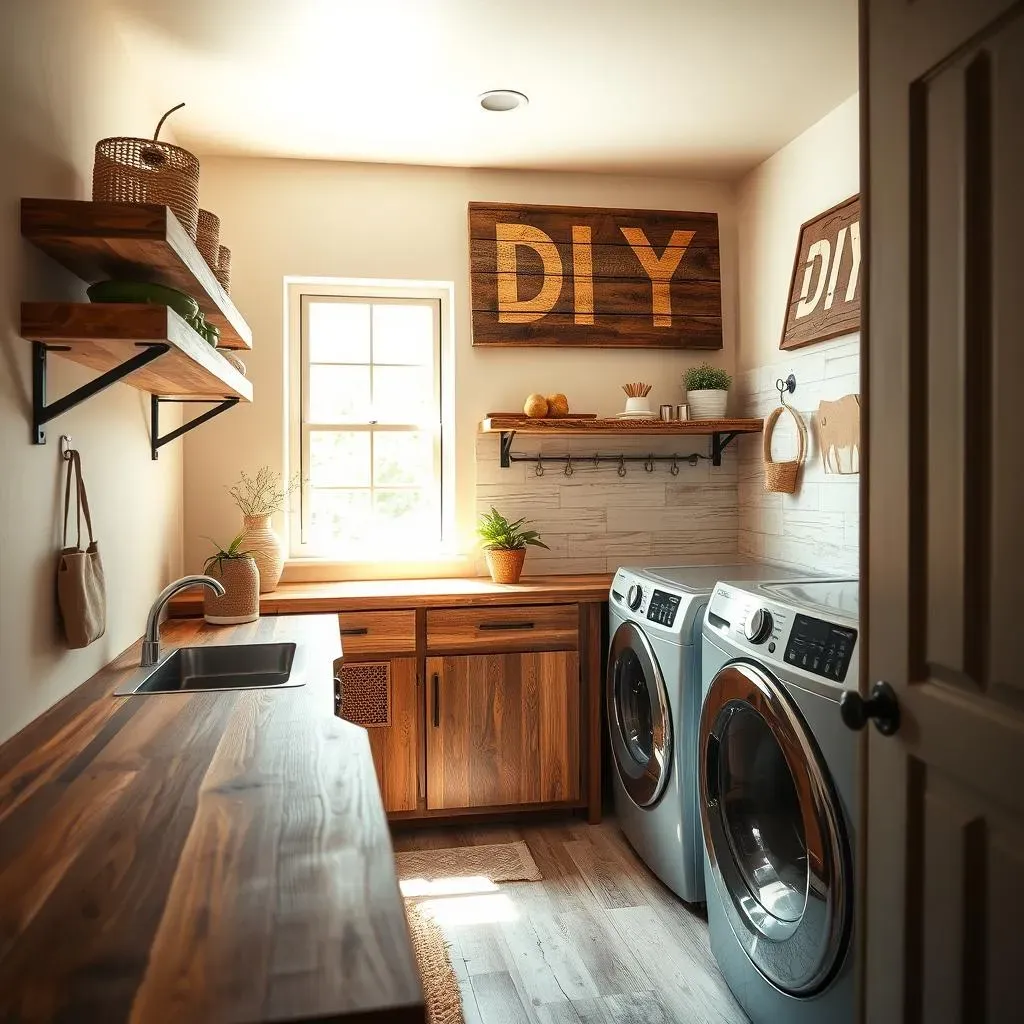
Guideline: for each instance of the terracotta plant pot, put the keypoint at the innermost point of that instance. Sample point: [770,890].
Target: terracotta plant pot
[241,603]
[259,539]
[506,566]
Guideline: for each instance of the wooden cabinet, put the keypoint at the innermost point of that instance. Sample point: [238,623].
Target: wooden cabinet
[378,632]
[503,729]
[532,628]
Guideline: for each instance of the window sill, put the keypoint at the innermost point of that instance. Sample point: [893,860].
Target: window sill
[332,569]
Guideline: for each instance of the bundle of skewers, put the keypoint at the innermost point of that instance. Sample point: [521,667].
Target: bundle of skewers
[638,389]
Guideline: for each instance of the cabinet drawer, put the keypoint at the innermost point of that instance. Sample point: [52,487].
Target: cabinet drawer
[378,632]
[525,628]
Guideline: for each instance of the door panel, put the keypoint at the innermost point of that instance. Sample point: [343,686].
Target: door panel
[944,361]
[502,729]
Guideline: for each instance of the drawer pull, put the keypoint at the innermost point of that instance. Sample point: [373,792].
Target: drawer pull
[355,631]
[504,627]
[337,695]
[437,700]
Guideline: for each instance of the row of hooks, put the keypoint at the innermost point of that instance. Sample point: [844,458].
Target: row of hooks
[569,464]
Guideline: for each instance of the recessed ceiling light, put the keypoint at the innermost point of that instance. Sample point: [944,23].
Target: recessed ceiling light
[502,99]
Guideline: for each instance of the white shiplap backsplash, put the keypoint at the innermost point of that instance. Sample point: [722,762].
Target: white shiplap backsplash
[595,520]
[818,527]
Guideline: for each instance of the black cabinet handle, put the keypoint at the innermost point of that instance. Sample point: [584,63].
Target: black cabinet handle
[881,707]
[337,695]
[355,631]
[437,699]
[505,626]
[711,769]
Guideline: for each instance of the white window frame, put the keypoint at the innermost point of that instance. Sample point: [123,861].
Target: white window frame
[299,292]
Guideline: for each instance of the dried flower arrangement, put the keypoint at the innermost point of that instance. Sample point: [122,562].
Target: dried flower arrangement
[264,494]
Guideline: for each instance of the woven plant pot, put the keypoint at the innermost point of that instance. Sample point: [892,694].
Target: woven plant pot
[505,566]
[241,603]
[259,539]
[129,170]
[223,269]
[782,477]
[208,238]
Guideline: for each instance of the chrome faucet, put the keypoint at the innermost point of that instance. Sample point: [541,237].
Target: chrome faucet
[151,641]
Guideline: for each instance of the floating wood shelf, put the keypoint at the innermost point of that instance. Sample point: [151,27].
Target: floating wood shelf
[133,242]
[721,432]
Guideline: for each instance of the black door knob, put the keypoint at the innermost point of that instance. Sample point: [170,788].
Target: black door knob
[881,707]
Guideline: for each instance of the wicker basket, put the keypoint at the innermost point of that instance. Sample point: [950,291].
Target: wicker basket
[781,477]
[223,269]
[147,171]
[241,602]
[506,566]
[208,238]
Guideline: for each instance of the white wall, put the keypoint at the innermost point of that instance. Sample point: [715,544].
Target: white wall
[62,87]
[816,528]
[312,218]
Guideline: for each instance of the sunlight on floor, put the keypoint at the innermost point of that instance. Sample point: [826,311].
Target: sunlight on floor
[466,910]
[452,886]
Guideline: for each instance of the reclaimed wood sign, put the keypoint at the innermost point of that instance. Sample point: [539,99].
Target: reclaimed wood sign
[577,276]
[824,292]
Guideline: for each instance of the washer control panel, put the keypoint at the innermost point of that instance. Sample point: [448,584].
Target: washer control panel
[820,647]
[663,607]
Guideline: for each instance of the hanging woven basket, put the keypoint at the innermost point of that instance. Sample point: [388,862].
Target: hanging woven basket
[781,477]
[148,171]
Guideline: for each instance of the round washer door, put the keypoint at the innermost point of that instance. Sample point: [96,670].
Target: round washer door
[779,854]
[638,716]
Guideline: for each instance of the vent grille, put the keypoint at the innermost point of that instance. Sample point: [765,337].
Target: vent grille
[366,693]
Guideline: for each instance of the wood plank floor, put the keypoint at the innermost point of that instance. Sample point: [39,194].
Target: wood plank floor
[600,940]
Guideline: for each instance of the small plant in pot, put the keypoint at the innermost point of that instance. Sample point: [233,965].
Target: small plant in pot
[707,391]
[505,545]
[236,570]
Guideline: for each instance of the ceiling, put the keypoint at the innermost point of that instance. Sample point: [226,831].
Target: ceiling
[696,87]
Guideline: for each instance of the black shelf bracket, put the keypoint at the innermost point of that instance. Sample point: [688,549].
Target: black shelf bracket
[505,439]
[719,442]
[157,442]
[43,413]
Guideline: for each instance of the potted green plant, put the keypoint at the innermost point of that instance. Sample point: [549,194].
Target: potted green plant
[505,545]
[236,569]
[707,391]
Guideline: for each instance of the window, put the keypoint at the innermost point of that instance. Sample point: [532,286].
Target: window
[366,423]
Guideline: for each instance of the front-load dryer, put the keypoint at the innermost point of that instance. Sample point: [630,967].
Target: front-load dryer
[652,693]
[777,796]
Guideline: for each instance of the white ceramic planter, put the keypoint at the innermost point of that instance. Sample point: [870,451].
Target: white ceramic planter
[707,404]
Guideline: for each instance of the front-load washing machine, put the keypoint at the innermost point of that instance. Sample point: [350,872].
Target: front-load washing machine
[652,695]
[778,796]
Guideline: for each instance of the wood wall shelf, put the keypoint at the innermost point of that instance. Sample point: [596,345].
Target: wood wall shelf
[135,242]
[721,432]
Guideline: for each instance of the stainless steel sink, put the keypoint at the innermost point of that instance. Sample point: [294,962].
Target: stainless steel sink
[228,667]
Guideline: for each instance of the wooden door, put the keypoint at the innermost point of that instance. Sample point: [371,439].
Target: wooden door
[382,696]
[944,350]
[503,729]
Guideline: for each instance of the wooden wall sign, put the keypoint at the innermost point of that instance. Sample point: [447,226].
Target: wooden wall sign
[824,292]
[577,276]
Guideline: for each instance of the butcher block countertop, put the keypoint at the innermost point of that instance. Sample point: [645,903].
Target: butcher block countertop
[212,858]
[375,595]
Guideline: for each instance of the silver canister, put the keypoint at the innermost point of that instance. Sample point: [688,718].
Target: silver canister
[682,413]
[666,412]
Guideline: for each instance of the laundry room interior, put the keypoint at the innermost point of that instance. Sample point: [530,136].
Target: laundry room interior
[438,546]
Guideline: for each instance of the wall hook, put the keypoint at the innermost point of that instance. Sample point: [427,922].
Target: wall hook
[568,471]
[784,387]
[649,463]
[538,470]
[597,460]
[674,468]
[694,459]
[65,447]
[622,466]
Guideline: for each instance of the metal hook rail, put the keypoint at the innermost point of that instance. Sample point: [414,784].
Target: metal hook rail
[570,463]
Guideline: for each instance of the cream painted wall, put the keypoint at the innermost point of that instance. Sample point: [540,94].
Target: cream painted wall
[816,528]
[62,88]
[313,218]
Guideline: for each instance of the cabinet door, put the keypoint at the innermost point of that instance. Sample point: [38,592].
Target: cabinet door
[381,696]
[503,729]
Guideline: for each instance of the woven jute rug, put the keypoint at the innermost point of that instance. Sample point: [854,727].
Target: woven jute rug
[500,862]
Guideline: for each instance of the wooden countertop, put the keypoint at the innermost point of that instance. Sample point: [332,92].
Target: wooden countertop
[375,595]
[200,857]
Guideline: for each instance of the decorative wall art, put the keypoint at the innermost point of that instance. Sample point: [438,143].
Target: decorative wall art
[824,292]
[584,277]
[839,435]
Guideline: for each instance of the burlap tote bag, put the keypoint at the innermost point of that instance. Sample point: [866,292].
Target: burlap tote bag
[81,590]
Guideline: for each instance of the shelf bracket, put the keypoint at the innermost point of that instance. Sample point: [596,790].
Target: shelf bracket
[719,442]
[505,439]
[157,442]
[43,413]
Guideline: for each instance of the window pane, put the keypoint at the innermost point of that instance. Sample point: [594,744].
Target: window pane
[337,517]
[339,332]
[339,394]
[403,334]
[402,458]
[401,510]
[404,394]
[339,458]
